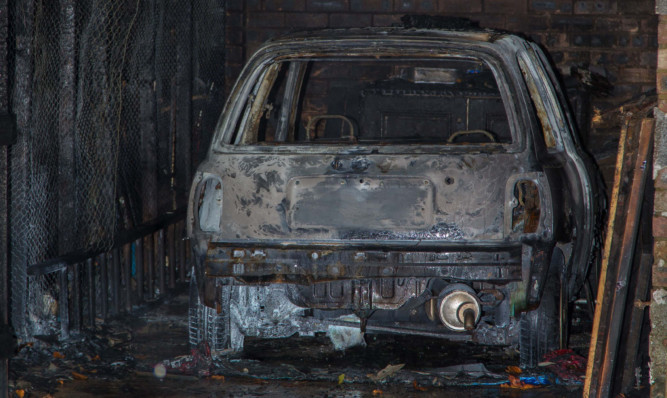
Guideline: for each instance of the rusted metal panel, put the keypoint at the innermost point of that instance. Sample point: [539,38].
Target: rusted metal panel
[328,263]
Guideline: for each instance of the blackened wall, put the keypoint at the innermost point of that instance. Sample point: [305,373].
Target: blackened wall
[617,38]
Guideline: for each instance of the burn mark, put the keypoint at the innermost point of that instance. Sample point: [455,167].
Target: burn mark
[267,180]
[440,231]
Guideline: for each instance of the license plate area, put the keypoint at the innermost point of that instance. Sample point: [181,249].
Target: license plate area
[360,202]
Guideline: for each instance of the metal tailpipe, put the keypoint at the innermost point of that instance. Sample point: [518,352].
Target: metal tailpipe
[459,308]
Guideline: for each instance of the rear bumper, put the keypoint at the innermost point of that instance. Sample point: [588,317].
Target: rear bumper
[286,262]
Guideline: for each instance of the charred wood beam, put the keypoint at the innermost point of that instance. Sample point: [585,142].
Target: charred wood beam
[622,230]
[164,76]
[66,120]
[183,99]
[147,122]
[77,311]
[104,284]
[7,339]
[90,274]
[22,25]
[160,264]
[139,265]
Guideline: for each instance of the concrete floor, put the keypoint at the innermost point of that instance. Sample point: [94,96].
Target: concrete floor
[120,358]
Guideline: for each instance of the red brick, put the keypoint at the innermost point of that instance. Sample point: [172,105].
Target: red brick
[505,6]
[661,180]
[285,5]
[662,30]
[350,20]
[660,201]
[234,5]
[662,104]
[266,19]
[572,23]
[255,37]
[460,7]
[306,20]
[646,7]
[233,36]
[650,23]
[636,75]
[415,5]
[660,227]
[660,251]
[234,54]
[253,5]
[527,23]
[234,19]
[659,278]
[327,5]
[551,6]
[595,7]
[387,19]
[376,6]
[485,20]
[661,82]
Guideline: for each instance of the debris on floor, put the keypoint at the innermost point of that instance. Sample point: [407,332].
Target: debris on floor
[566,365]
[147,354]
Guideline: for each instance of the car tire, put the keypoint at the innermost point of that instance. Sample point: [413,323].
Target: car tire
[540,329]
[207,328]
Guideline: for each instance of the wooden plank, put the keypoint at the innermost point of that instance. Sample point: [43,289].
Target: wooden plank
[139,261]
[104,284]
[634,152]
[147,123]
[90,273]
[171,250]
[127,276]
[160,257]
[183,100]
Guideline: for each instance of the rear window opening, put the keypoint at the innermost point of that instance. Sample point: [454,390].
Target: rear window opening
[376,101]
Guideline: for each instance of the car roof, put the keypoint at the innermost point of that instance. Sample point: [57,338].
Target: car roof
[472,34]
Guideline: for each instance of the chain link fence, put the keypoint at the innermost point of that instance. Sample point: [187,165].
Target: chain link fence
[115,101]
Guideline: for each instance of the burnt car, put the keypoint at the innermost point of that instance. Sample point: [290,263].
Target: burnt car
[392,180]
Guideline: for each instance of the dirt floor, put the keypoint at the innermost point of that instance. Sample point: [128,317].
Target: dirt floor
[146,355]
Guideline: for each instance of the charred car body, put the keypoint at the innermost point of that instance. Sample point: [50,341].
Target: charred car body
[394,180]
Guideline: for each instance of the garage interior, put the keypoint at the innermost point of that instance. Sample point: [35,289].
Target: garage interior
[106,109]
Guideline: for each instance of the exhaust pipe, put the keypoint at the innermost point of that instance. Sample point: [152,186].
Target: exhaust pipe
[459,307]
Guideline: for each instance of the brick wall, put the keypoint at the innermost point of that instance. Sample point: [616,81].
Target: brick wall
[658,340]
[616,37]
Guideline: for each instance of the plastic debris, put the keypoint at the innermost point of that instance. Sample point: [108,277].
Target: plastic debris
[569,367]
[377,392]
[20,393]
[341,378]
[343,337]
[475,370]
[388,371]
[160,371]
[58,355]
[516,383]
[417,386]
[79,376]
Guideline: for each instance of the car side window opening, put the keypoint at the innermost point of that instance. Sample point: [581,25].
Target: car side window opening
[377,101]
